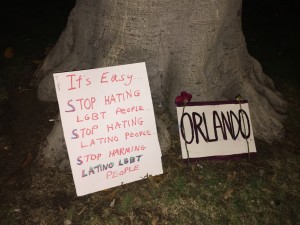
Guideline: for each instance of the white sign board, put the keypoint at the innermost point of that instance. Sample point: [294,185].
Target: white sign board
[215,129]
[109,126]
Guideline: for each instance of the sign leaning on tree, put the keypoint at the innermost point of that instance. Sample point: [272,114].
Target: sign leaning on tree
[109,126]
[214,129]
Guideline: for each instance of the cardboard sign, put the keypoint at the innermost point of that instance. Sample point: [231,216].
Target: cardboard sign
[109,126]
[214,129]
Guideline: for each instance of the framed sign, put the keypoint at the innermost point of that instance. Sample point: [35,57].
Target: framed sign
[215,129]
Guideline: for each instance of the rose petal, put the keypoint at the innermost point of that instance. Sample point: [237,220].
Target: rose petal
[183,93]
[179,100]
[189,96]
[184,97]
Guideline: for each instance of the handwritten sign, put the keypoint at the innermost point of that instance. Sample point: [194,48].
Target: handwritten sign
[212,129]
[109,126]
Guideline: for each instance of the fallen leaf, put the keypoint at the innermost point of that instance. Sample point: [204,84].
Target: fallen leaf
[228,194]
[27,161]
[266,190]
[152,181]
[9,53]
[159,178]
[61,209]
[131,217]
[111,195]
[261,172]
[193,169]
[112,203]
[154,221]
[231,176]
[67,222]
[81,211]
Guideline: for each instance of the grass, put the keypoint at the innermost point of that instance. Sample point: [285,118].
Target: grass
[262,190]
[125,205]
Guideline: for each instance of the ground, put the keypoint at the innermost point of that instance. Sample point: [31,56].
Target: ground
[260,190]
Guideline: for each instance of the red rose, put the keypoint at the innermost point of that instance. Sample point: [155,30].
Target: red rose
[183,98]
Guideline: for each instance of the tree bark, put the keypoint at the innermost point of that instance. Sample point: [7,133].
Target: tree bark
[193,45]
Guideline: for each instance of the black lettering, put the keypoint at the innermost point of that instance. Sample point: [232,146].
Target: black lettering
[205,124]
[242,115]
[227,124]
[197,127]
[219,125]
[234,136]
[182,128]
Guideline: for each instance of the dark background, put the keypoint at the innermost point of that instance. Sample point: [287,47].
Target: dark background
[272,32]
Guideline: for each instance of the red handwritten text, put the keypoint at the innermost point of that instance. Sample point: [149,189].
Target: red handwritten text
[101,140]
[129,110]
[128,169]
[114,78]
[92,116]
[125,123]
[137,134]
[76,81]
[127,150]
[121,97]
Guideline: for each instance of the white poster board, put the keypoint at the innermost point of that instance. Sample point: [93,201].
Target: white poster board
[109,126]
[213,129]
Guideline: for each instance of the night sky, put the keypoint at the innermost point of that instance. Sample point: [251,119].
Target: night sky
[271,29]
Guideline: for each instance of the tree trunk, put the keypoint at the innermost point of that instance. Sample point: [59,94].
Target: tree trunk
[194,45]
